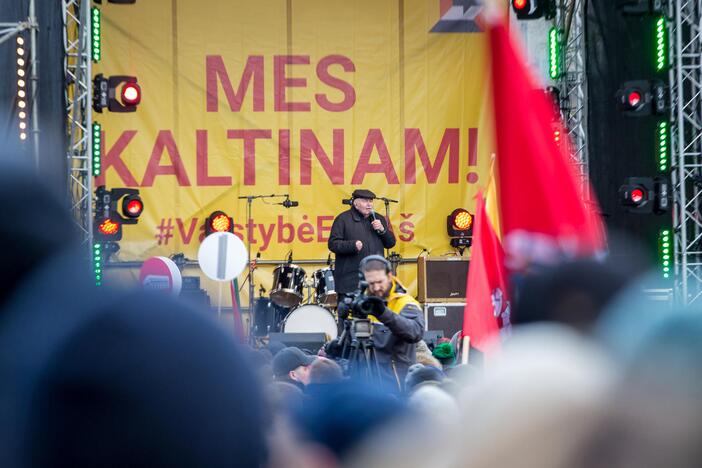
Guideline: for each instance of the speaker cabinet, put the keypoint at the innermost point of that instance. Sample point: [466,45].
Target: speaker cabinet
[445,316]
[442,279]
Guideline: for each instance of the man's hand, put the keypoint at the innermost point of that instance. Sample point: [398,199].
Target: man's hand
[359,245]
[378,226]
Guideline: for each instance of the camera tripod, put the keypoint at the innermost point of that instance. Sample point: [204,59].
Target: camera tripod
[356,343]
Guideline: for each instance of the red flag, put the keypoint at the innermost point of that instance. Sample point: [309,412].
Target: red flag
[487,306]
[542,213]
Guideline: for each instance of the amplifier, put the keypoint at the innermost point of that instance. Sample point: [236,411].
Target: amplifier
[442,279]
[446,316]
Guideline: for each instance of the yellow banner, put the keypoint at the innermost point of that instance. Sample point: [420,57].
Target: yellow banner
[309,98]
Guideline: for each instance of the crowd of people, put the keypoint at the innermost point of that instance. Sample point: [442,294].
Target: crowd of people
[594,374]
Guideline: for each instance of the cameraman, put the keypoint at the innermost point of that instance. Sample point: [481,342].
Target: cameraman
[398,322]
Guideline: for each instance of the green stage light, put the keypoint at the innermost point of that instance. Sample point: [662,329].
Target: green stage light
[664,251]
[97,263]
[96,40]
[663,146]
[97,149]
[661,50]
[554,69]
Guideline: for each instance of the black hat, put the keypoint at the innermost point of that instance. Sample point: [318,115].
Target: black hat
[363,193]
[290,359]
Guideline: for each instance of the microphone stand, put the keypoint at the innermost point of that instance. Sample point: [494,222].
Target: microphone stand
[387,202]
[249,216]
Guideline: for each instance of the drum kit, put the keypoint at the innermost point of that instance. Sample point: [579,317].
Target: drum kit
[297,304]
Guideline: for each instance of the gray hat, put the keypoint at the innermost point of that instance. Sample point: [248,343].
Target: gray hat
[363,193]
[290,359]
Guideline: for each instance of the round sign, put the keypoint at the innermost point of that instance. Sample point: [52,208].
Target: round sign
[160,274]
[222,256]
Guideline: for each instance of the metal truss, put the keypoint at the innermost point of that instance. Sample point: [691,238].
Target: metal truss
[685,36]
[78,89]
[570,21]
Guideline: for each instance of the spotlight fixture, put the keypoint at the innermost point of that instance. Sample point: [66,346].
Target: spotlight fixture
[459,226]
[108,218]
[117,93]
[21,94]
[218,221]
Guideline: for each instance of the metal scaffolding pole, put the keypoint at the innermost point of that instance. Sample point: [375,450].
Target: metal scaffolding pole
[78,89]
[685,35]
[570,21]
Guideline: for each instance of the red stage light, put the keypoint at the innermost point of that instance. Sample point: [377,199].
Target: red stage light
[131,94]
[220,223]
[519,4]
[134,207]
[637,195]
[108,227]
[634,98]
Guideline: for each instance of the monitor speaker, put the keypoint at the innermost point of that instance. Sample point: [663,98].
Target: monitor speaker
[442,279]
[309,342]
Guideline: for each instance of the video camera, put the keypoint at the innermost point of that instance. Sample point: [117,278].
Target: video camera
[359,304]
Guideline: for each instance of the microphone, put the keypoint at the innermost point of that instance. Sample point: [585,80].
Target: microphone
[347,201]
[287,203]
[372,213]
[329,260]
[290,257]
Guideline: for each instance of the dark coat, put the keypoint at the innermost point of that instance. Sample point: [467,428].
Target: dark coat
[349,227]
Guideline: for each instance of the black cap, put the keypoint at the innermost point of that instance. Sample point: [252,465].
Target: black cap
[363,193]
[290,359]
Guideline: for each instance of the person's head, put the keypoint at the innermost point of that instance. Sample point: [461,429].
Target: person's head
[325,371]
[363,201]
[133,379]
[292,364]
[378,274]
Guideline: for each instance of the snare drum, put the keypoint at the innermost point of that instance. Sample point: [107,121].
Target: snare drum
[311,319]
[325,291]
[288,282]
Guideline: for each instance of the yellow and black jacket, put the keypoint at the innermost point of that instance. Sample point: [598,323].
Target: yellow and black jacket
[395,333]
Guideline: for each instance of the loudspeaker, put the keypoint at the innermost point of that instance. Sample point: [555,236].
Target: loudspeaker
[447,317]
[309,342]
[442,279]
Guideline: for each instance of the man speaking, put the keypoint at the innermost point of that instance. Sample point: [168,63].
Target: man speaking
[355,234]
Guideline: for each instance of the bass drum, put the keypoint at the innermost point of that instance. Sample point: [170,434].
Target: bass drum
[311,319]
[288,284]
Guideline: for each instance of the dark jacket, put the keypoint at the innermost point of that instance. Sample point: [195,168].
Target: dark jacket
[401,326]
[349,227]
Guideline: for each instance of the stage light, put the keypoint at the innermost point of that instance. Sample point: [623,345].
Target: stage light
[20,83]
[459,227]
[20,40]
[97,263]
[661,49]
[533,9]
[662,140]
[218,221]
[554,54]
[97,149]
[22,125]
[665,243]
[96,39]
[645,195]
[132,206]
[22,114]
[20,72]
[23,136]
[640,7]
[21,104]
[105,93]
[131,94]
[642,98]
[109,227]
[20,51]
[108,219]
